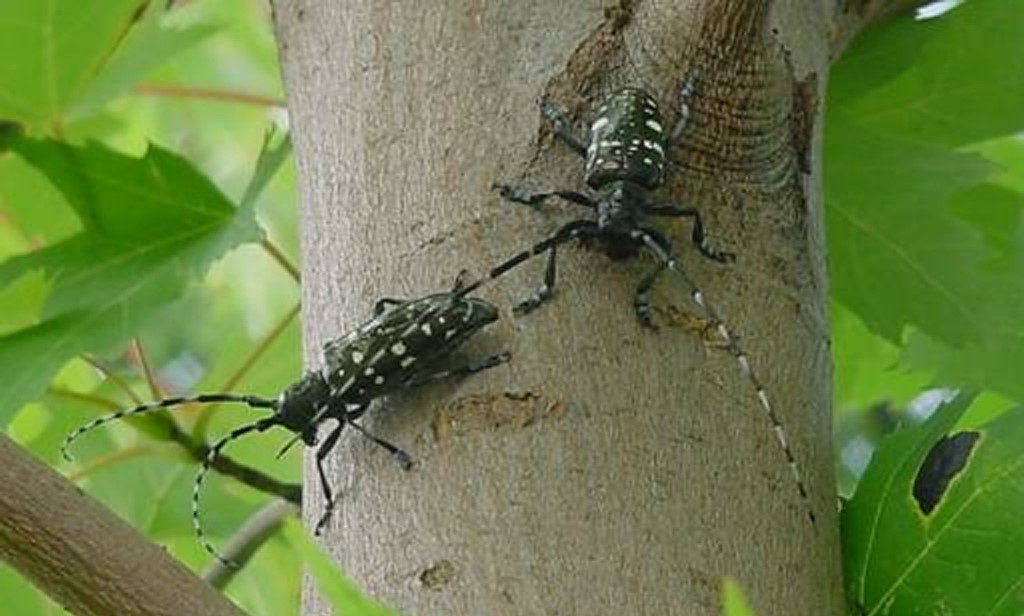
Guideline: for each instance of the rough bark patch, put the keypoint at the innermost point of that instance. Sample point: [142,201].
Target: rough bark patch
[805,112]
[702,328]
[491,412]
[436,576]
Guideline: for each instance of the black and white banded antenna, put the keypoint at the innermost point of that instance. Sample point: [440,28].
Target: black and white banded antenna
[211,456]
[255,402]
[197,485]
[733,346]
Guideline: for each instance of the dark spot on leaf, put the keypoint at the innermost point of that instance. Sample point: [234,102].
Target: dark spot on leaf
[944,461]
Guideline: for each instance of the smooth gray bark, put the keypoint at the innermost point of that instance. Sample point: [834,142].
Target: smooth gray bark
[606,469]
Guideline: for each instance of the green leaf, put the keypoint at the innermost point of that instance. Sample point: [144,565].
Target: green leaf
[343,596]
[995,210]
[147,45]
[861,384]
[22,301]
[31,206]
[901,98]
[270,160]
[933,527]
[52,51]
[898,254]
[135,213]
[734,602]
[938,81]
[150,227]
[993,366]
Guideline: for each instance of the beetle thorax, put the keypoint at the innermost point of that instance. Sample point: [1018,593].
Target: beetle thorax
[619,212]
[627,141]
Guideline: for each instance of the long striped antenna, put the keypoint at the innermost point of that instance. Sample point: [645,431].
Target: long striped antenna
[732,344]
[569,232]
[251,401]
[211,457]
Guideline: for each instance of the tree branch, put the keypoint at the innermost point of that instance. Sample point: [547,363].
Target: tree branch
[224,465]
[85,557]
[247,540]
[227,96]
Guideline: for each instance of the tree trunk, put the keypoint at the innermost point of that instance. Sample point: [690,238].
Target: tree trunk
[607,468]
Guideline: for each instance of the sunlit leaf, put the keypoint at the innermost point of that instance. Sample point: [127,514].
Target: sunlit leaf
[52,51]
[150,227]
[147,45]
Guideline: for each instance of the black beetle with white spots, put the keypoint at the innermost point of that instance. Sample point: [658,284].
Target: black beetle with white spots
[406,341]
[625,161]
[402,346]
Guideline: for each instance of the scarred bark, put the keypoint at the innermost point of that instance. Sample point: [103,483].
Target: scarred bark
[606,469]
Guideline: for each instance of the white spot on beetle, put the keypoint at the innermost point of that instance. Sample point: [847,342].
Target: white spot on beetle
[357,357]
[379,380]
[425,328]
[654,145]
[369,371]
[653,125]
[599,124]
[744,364]
[398,348]
[408,361]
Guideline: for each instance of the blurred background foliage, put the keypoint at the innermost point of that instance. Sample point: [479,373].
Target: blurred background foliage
[131,132]
[202,81]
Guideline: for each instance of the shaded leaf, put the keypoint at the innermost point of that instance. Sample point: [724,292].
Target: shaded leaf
[901,257]
[989,360]
[992,365]
[938,81]
[901,98]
